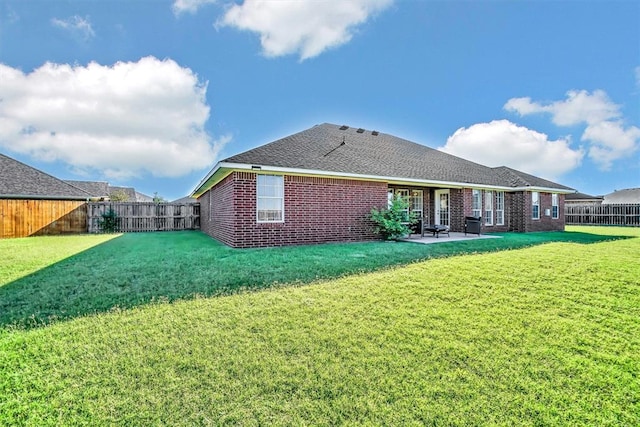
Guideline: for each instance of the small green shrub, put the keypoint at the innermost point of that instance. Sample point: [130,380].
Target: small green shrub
[393,222]
[109,221]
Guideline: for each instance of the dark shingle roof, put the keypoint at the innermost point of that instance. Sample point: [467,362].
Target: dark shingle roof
[102,189]
[95,188]
[20,180]
[185,199]
[333,148]
[515,178]
[141,197]
[582,197]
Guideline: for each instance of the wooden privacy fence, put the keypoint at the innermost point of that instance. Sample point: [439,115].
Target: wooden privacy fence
[591,214]
[140,216]
[34,217]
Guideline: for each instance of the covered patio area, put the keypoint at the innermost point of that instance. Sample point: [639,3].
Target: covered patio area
[443,238]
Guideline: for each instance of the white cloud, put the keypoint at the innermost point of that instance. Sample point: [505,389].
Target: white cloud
[307,28]
[610,142]
[605,131]
[76,25]
[123,120]
[579,107]
[502,143]
[191,6]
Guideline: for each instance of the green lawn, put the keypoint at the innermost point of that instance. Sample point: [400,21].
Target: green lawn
[535,329]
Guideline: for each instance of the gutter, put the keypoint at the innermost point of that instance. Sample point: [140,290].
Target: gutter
[395,180]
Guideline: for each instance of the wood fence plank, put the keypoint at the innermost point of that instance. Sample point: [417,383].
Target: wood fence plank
[27,217]
[604,214]
[146,216]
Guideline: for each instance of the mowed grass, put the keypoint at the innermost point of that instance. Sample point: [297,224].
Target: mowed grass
[45,279]
[544,335]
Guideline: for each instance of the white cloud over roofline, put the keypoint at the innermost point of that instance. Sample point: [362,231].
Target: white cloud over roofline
[502,143]
[306,28]
[605,132]
[123,120]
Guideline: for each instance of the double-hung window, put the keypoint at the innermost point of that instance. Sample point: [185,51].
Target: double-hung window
[270,198]
[488,207]
[535,205]
[476,208]
[499,207]
[555,212]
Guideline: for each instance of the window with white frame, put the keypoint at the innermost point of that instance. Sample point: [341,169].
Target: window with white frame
[499,207]
[555,210]
[535,205]
[488,207]
[476,204]
[417,201]
[270,198]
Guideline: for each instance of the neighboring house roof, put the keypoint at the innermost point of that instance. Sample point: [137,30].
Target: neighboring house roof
[95,188]
[140,197]
[626,196]
[329,149]
[185,199]
[582,198]
[130,192]
[18,180]
[102,189]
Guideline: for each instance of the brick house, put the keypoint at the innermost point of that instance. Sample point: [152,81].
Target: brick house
[319,185]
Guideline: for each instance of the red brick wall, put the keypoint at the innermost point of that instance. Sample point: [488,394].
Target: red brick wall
[217,216]
[316,210]
[518,212]
[320,210]
[545,223]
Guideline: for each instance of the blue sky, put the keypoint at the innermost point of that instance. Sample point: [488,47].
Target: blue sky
[152,94]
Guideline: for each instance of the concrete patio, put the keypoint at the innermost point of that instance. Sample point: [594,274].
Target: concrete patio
[443,238]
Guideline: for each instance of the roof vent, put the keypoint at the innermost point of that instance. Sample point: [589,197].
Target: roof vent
[360,130]
[344,127]
[375,133]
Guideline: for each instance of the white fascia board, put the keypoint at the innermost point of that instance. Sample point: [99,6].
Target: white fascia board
[545,190]
[203,181]
[390,179]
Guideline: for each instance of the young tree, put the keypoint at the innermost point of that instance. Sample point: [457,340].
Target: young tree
[393,222]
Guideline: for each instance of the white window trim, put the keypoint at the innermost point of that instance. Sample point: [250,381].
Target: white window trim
[488,202]
[258,197]
[499,212]
[555,206]
[535,202]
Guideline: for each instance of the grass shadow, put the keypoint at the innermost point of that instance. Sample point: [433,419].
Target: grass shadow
[140,268]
